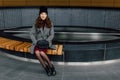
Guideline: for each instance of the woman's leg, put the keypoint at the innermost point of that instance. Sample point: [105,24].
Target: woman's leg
[53,71]
[46,58]
[37,52]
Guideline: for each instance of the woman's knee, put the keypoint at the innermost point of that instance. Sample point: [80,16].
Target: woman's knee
[37,52]
[42,53]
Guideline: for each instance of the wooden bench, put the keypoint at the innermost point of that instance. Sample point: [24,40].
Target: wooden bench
[21,46]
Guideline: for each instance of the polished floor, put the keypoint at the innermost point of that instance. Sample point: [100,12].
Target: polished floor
[12,69]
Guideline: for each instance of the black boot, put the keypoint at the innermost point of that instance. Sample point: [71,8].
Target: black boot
[53,71]
[48,71]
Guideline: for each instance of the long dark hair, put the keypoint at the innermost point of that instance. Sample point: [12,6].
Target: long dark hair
[40,22]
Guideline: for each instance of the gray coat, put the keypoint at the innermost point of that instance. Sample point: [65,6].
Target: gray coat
[40,34]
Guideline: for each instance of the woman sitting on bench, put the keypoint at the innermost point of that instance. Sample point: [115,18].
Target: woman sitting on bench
[43,30]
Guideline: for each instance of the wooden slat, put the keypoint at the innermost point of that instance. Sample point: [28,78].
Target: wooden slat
[60,50]
[3,45]
[49,51]
[9,44]
[58,3]
[26,47]
[80,3]
[102,3]
[36,2]
[116,3]
[12,47]
[19,47]
[14,3]
[6,46]
[54,52]
[1,3]
[2,41]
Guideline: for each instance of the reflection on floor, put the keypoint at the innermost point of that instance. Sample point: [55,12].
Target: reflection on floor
[11,69]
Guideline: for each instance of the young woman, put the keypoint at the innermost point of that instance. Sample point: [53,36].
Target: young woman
[43,30]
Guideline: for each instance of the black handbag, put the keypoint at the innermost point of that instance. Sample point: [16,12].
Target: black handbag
[42,44]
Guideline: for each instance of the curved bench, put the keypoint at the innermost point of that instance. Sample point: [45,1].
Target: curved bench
[81,44]
[21,46]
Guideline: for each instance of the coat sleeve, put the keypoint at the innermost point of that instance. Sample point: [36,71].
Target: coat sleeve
[51,34]
[33,34]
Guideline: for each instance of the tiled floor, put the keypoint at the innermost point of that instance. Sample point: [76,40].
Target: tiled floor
[11,69]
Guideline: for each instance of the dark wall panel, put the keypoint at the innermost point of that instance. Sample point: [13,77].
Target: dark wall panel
[29,16]
[52,14]
[15,17]
[1,20]
[96,18]
[112,19]
[79,17]
[62,16]
[12,18]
